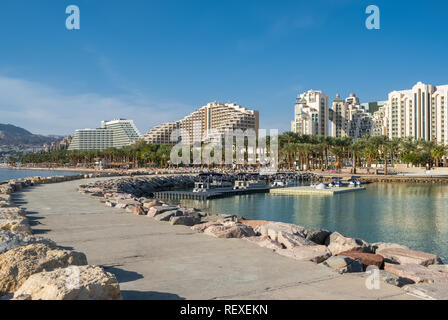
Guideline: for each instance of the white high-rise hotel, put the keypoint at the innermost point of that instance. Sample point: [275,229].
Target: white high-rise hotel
[311,114]
[420,112]
[112,134]
[217,116]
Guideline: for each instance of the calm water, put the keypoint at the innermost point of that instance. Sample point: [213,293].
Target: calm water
[6,174]
[415,215]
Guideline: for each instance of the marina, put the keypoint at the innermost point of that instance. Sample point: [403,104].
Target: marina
[214,186]
[207,195]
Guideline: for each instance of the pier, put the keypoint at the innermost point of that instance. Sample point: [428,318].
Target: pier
[189,195]
[155,260]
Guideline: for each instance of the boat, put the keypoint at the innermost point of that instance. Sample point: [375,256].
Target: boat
[282,183]
[356,181]
[249,184]
[212,186]
[278,183]
[336,182]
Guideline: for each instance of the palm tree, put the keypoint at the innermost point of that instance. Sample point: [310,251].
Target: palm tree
[381,143]
[356,148]
[438,152]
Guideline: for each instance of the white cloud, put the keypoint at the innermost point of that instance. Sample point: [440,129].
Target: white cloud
[45,110]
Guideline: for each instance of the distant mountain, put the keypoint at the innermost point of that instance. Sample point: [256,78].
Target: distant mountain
[12,135]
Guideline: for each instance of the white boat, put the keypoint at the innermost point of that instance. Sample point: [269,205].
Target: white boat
[278,183]
[249,184]
[212,186]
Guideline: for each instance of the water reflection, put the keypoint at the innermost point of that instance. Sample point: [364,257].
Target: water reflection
[411,214]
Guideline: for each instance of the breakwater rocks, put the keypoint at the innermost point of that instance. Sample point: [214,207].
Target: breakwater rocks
[139,186]
[15,185]
[419,273]
[35,268]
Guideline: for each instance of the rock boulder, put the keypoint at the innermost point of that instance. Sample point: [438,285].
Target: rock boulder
[139,211]
[317,236]
[72,283]
[18,264]
[377,246]
[167,215]
[405,256]
[10,240]
[230,230]
[15,224]
[417,273]
[291,241]
[343,264]
[185,220]
[338,243]
[273,228]
[156,210]
[265,242]
[314,253]
[367,259]
[154,203]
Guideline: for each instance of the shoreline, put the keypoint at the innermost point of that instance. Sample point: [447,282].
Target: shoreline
[158,260]
[32,264]
[329,248]
[326,248]
[412,176]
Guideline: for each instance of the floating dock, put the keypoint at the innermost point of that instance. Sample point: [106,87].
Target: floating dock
[307,190]
[190,195]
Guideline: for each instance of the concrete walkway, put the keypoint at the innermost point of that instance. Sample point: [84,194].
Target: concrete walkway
[154,260]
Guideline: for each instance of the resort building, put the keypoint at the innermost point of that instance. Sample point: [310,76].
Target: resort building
[162,133]
[217,116]
[311,114]
[380,121]
[372,107]
[349,119]
[112,134]
[420,112]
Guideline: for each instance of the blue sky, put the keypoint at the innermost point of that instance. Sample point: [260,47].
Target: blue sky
[155,61]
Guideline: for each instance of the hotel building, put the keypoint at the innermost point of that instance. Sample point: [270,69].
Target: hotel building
[420,112]
[217,116]
[311,114]
[112,134]
[348,118]
[162,133]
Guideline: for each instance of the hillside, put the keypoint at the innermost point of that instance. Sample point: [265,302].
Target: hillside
[12,135]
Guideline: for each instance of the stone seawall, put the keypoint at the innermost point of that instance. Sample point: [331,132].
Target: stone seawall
[419,273]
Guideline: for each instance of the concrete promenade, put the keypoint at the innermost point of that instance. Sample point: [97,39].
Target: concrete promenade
[154,260]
